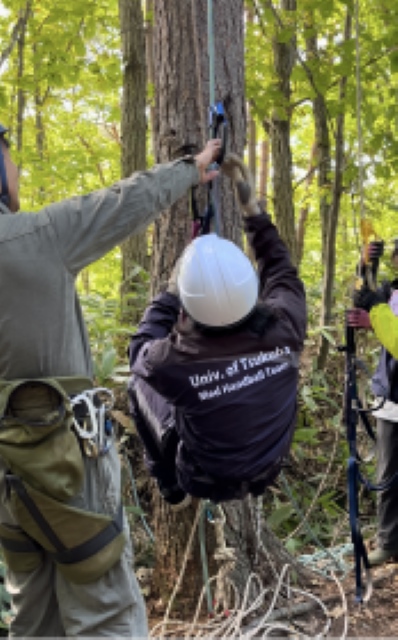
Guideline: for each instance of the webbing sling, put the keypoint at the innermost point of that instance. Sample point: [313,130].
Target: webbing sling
[63,555]
[201,223]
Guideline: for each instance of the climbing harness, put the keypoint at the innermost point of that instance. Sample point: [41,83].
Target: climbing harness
[202,222]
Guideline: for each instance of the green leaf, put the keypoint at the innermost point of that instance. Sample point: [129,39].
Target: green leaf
[280,515]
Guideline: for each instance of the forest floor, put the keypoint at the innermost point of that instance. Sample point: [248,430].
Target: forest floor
[376,619]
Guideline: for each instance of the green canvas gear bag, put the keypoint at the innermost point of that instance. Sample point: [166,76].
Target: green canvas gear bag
[36,437]
[84,545]
[46,469]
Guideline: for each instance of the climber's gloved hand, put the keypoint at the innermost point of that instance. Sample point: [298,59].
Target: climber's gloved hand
[358,318]
[366,299]
[234,168]
[172,286]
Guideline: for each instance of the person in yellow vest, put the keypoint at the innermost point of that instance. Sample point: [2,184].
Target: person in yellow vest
[64,535]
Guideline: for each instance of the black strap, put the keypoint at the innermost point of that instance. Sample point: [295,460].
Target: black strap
[64,555]
[20,546]
[15,483]
[95,544]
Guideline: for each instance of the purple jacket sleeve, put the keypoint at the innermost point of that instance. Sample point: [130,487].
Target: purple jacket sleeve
[157,322]
[280,287]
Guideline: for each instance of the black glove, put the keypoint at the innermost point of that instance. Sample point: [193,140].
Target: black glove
[376,249]
[366,299]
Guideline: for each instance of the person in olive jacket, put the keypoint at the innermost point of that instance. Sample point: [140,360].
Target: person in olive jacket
[44,336]
[215,362]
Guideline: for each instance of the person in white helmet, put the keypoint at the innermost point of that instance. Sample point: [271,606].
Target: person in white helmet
[214,362]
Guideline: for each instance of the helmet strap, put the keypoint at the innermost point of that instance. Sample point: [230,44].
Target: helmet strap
[5,195]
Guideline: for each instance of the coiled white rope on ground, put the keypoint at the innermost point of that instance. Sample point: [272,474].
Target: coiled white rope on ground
[252,614]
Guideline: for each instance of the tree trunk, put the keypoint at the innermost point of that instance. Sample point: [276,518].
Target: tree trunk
[181,113]
[252,140]
[134,249]
[264,173]
[284,60]
[21,97]
[323,149]
[18,28]
[302,221]
[181,107]
[333,215]
[150,65]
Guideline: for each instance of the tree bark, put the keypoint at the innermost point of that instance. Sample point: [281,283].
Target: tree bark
[133,158]
[264,173]
[150,65]
[181,110]
[323,149]
[18,29]
[300,235]
[21,97]
[284,60]
[181,107]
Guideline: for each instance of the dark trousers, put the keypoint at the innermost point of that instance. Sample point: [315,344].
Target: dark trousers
[155,422]
[387,501]
[156,426]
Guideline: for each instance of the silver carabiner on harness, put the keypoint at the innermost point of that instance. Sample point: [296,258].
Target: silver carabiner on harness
[94,429]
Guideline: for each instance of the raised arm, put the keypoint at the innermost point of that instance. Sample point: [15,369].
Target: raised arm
[87,227]
[280,287]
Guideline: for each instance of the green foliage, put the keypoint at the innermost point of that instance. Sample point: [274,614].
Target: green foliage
[102,315]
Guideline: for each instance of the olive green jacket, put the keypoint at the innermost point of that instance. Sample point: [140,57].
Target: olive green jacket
[42,332]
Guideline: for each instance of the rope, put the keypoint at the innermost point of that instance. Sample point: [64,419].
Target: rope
[136,498]
[243,615]
[203,556]
[214,187]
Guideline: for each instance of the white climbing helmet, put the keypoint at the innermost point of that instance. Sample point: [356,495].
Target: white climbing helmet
[217,283]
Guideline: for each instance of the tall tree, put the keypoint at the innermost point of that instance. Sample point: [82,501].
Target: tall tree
[284,48]
[133,128]
[333,214]
[181,112]
[182,102]
[182,90]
